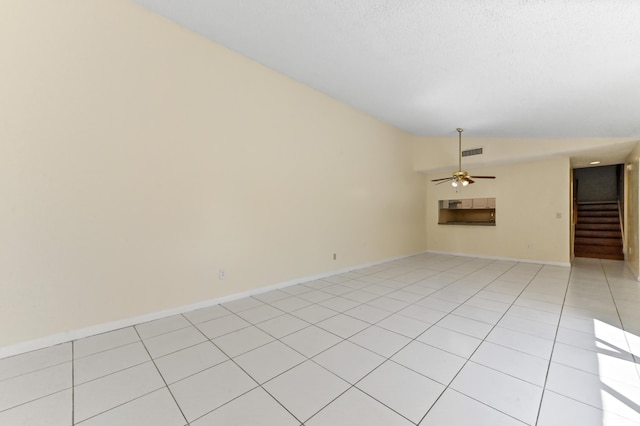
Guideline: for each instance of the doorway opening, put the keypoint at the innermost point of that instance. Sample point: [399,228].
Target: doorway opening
[599,212]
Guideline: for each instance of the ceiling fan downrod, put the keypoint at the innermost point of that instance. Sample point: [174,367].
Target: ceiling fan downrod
[459,148]
[460,177]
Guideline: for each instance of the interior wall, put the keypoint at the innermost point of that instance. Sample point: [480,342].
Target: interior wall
[597,183]
[573,214]
[440,153]
[532,213]
[632,208]
[138,159]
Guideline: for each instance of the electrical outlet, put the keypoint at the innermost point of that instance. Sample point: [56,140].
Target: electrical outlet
[334,256]
[221,274]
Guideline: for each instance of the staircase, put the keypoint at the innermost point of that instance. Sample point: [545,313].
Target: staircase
[598,232]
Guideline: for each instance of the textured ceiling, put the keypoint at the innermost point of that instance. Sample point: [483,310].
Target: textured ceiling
[514,69]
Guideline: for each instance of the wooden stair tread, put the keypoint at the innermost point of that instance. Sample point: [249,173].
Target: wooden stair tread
[597,231]
[598,241]
[598,219]
[598,226]
[600,206]
[597,248]
[601,256]
[596,213]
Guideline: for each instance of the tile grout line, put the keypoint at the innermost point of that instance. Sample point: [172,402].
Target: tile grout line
[326,349]
[359,304]
[259,385]
[553,346]
[624,332]
[237,313]
[34,370]
[397,313]
[484,340]
[111,373]
[341,339]
[121,370]
[581,370]
[388,359]
[385,359]
[73,384]
[121,404]
[161,376]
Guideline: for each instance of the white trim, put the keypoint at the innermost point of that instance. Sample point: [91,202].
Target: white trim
[630,269]
[56,339]
[510,259]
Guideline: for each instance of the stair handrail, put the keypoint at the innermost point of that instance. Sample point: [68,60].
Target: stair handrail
[575,202]
[624,243]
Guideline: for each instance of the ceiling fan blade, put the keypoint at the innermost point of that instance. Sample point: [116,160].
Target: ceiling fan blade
[444,181]
[461,176]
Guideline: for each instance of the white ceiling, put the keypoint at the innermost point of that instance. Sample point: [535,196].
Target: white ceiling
[521,69]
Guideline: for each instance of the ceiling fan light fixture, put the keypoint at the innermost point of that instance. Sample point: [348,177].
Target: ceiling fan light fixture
[460,177]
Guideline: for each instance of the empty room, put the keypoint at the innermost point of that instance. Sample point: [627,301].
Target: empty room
[319,213]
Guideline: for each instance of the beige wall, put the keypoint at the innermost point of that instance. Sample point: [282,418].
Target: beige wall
[528,198]
[573,215]
[632,208]
[137,159]
[434,154]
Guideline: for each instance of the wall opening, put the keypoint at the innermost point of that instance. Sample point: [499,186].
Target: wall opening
[599,207]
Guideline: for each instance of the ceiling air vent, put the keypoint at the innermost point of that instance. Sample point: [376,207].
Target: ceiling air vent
[474,151]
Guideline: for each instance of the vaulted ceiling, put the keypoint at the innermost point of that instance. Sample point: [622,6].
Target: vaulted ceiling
[516,69]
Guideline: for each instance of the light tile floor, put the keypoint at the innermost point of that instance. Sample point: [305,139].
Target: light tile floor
[428,340]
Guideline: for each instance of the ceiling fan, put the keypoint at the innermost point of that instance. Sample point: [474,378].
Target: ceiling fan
[461,177]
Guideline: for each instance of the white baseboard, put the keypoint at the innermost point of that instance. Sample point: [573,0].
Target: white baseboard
[510,259]
[44,342]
